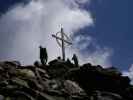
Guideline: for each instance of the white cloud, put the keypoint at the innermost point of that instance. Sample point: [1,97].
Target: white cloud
[31,25]
[101,57]
[129,73]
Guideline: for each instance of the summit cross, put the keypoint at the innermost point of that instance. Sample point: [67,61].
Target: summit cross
[63,41]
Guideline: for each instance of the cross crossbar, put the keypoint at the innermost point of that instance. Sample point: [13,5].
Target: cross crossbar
[61,39]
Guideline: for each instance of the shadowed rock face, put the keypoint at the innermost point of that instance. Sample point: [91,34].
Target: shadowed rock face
[92,78]
[62,80]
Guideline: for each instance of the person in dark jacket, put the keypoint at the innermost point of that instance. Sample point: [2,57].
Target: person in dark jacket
[75,59]
[43,55]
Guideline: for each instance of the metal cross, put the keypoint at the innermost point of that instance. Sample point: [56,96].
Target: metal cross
[63,41]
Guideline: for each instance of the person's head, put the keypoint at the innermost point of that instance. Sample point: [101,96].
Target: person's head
[40,46]
[59,57]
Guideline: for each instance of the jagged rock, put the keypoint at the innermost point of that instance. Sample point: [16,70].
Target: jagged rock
[57,69]
[25,73]
[72,88]
[62,80]
[91,78]
[13,63]
[1,97]
[104,95]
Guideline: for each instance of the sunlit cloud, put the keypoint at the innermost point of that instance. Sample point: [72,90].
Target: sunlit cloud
[25,27]
[129,73]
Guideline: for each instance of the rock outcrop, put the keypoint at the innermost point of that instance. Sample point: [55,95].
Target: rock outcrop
[62,80]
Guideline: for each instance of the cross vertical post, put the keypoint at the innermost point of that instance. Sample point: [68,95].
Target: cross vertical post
[63,45]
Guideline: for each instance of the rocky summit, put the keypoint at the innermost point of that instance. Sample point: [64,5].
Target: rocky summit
[62,80]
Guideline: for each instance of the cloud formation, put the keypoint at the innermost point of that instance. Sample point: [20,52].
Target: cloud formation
[25,27]
[129,73]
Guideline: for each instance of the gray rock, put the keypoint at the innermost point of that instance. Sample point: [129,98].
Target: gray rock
[1,97]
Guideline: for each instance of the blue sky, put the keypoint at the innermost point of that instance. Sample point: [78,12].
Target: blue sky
[112,27]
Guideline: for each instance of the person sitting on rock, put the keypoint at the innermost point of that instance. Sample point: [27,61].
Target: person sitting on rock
[43,55]
[75,59]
